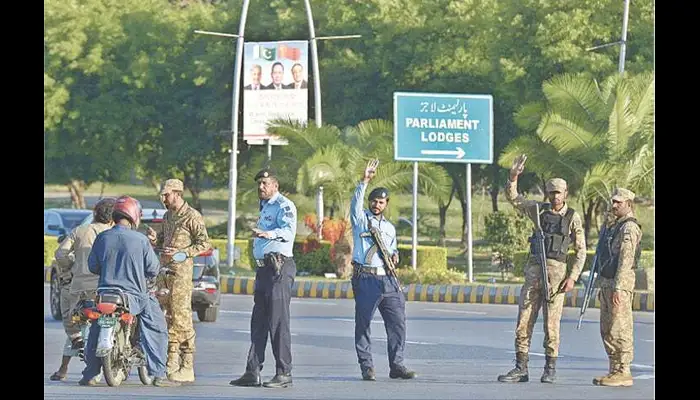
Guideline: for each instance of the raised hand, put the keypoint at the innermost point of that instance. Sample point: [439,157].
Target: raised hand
[371,169]
[518,166]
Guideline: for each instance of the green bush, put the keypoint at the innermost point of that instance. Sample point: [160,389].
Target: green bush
[50,246]
[646,260]
[435,276]
[315,262]
[428,257]
[507,232]
[246,251]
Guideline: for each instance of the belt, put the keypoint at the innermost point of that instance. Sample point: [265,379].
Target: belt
[379,271]
[260,262]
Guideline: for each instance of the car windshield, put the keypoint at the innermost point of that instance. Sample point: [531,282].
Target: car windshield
[72,219]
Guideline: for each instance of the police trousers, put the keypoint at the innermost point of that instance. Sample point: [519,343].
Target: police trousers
[271,297]
[372,292]
[153,338]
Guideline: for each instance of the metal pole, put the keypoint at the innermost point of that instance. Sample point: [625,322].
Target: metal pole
[415,216]
[233,171]
[314,65]
[319,212]
[269,150]
[468,198]
[623,41]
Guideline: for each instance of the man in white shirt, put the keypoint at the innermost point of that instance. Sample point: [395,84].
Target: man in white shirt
[255,74]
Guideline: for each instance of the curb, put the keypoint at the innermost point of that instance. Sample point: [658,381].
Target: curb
[482,294]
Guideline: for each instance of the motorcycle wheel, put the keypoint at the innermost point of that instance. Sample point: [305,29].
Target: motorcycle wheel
[144,377]
[113,363]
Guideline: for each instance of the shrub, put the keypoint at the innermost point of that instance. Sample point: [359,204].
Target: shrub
[429,257]
[507,233]
[430,276]
[50,246]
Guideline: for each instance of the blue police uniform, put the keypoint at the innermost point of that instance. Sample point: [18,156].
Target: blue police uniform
[124,258]
[373,288]
[273,287]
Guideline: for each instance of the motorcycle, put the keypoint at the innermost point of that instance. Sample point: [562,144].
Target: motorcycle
[118,345]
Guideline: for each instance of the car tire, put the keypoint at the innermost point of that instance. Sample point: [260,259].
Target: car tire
[55,297]
[208,314]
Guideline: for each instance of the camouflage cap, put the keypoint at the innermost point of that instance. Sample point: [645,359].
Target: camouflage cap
[172,184]
[379,193]
[555,185]
[622,194]
[265,173]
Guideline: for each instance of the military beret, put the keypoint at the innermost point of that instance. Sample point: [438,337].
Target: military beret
[265,173]
[172,184]
[622,194]
[555,185]
[379,193]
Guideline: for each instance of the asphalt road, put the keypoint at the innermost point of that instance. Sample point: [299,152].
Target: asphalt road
[458,351]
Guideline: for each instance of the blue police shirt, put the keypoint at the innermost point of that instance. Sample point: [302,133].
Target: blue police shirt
[279,216]
[123,258]
[359,219]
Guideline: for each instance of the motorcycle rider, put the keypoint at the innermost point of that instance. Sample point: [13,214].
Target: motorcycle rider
[123,258]
[71,261]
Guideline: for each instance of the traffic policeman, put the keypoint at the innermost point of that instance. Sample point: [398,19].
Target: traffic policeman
[272,249]
[372,285]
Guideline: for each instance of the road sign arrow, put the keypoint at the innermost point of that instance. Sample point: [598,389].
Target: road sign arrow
[459,153]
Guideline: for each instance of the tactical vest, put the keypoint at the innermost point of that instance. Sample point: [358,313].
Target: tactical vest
[557,235]
[609,261]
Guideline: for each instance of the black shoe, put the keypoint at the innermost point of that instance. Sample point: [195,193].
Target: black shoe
[515,375]
[279,381]
[164,382]
[368,374]
[87,382]
[402,372]
[247,379]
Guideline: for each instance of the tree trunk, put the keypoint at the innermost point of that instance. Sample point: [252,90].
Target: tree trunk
[465,228]
[193,183]
[495,188]
[76,189]
[587,219]
[443,217]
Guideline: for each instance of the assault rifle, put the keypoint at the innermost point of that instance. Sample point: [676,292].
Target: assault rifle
[539,250]
[595,269]
[384,253]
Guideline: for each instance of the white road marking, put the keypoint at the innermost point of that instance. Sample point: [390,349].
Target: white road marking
[236,312]
[533,332]
[456,311]
[248,332]
[381,339]
[374,321]
[642,366]
[317,302]
[647,340]
[537,354]
[644,377]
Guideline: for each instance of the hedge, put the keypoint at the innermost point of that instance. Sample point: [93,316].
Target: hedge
[246,247]
[428,257]
[50,246]
[520,258]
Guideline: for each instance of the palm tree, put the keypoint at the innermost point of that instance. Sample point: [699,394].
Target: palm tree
[596,136]
[326,156]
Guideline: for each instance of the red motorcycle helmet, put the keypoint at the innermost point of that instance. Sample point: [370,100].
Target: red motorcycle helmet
[128,207]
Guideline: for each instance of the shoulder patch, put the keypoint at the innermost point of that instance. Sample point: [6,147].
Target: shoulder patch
[289,214]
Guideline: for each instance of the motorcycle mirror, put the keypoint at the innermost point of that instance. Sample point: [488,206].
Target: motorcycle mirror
[180,256]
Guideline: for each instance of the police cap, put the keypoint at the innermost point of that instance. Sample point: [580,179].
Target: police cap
[379,193]
[265,173]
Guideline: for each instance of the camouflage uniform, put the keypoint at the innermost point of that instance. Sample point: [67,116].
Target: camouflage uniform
[616,322]
[531,296]
[184,230]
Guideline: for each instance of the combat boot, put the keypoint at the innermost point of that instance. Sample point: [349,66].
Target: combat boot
[549,375]
[622,376]
[519,373]
[611,368]
[186,372]
[173,363]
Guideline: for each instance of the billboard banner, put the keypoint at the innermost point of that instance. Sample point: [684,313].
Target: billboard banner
[275,85]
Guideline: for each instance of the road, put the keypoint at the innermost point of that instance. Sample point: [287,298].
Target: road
[458,351]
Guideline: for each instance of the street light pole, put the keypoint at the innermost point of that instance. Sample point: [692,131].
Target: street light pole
[623,41]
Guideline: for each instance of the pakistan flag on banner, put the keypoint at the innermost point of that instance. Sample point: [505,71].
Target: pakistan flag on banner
[265,53]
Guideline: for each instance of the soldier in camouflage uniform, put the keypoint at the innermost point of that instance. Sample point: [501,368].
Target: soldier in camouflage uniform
[183,230]
[562,226]
[618,257]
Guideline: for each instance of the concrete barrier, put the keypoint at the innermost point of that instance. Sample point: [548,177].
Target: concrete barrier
[476,293]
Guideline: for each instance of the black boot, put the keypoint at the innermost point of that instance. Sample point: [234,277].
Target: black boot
[279,381]
[549,375]
[519,373]
[247,379]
